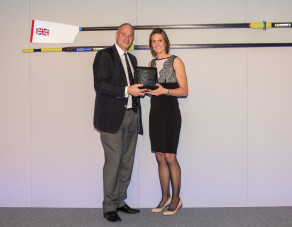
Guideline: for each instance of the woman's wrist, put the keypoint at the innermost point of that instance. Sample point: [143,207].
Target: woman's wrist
[168,92]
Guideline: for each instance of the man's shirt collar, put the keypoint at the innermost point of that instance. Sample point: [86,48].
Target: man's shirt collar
[120,51]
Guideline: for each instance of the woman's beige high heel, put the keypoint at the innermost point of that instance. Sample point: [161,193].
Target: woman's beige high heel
[158,210]
[168,212]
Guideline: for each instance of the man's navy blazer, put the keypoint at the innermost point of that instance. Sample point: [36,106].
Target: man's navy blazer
[109,83]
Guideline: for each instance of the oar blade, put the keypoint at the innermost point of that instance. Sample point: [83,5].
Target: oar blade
[51,32]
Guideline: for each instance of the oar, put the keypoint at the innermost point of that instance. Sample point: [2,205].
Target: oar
[146,47]
[65,49]
[51,32]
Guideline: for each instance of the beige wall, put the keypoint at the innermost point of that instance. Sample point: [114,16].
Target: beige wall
[236,139]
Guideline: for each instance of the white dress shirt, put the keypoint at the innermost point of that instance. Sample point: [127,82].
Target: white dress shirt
[122,56]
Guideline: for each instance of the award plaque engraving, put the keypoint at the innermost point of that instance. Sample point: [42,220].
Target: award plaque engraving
[146,76]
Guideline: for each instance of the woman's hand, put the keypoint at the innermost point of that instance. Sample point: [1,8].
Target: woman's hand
[159,91]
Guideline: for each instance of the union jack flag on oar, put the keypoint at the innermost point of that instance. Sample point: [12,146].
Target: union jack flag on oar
[42,31]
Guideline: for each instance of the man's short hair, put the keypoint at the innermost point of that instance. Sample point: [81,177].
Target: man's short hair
[119,28]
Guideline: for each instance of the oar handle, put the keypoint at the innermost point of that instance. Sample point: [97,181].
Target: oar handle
[282,25]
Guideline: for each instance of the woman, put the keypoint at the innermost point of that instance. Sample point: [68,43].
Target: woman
[165,118]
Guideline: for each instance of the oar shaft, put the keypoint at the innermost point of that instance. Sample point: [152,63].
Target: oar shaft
[222,45]
[179,26]
[83,49]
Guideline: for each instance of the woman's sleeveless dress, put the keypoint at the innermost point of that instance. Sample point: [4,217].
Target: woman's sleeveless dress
[165,117]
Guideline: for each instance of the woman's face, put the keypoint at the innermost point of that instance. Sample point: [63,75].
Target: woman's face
[158,44]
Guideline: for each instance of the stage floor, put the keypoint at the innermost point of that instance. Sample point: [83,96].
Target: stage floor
[197,217]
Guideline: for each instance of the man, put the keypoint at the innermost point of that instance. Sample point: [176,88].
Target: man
[117,116]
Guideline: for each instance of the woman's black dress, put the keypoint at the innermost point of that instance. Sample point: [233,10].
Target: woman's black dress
[165,117]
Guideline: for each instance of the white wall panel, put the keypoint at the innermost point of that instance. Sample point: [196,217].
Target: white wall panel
[213,140]
[269,105]
[15,172]
[270,127]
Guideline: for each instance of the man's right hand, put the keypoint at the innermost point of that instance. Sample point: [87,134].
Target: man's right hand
[134,90]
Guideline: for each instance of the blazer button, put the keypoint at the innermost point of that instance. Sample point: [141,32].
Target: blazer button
[125,106]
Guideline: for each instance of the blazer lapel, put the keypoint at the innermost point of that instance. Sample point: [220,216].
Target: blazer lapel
[118,61]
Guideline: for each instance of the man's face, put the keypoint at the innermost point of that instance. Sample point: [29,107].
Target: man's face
[125,37]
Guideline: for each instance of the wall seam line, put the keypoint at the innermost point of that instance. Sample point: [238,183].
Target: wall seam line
[29,94]
[247,114]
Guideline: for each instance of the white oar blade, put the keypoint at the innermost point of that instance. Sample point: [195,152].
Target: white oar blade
[51,32]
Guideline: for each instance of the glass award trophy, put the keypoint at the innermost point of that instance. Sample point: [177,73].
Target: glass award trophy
[146,76]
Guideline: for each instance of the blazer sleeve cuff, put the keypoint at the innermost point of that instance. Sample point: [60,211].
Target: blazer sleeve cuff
[120,92]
